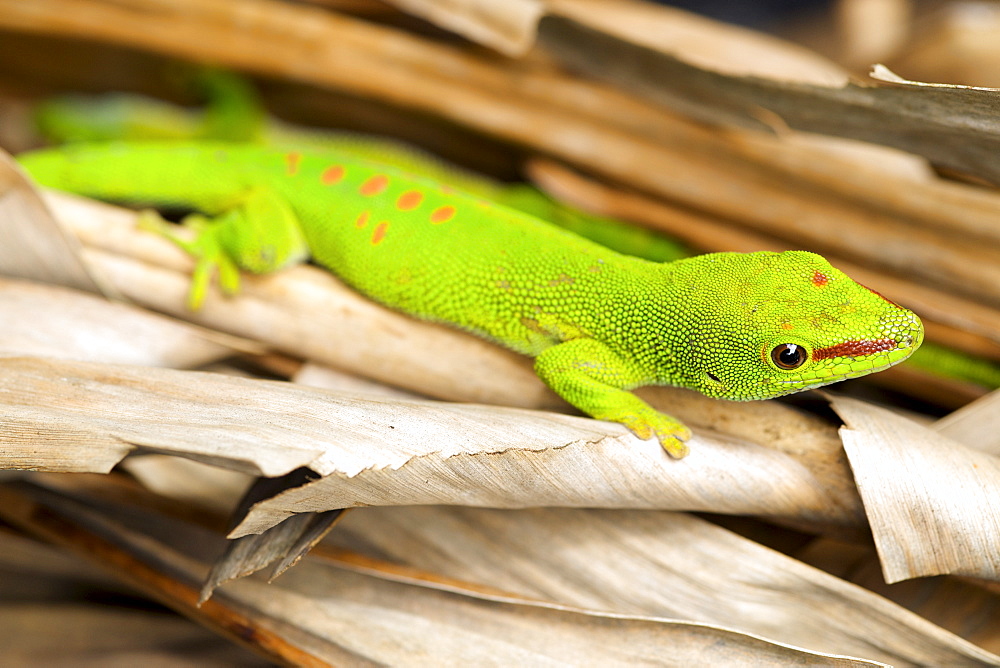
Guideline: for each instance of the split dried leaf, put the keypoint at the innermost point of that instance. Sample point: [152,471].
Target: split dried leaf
[931,501]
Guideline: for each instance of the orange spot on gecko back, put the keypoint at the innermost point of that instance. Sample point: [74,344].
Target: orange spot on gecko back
[332,174]
[362,219]
[292,161]
[374,185]
[379,232]
[442,214]
[819,279]
[409,200]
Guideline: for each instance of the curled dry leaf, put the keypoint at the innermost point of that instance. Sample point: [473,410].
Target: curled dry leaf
[931,501]
[34,245]
[655,564]
[72,416]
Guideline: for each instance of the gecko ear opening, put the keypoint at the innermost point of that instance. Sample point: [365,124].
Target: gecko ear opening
[788,356]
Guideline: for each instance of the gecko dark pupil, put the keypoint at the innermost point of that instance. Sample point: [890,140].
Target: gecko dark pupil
[789,356]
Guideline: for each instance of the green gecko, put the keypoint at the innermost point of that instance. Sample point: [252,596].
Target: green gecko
[234,113]
[598,323]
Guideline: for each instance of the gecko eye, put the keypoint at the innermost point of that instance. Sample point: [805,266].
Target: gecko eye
[789,356]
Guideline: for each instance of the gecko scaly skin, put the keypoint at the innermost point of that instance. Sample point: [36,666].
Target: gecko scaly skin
[598,323]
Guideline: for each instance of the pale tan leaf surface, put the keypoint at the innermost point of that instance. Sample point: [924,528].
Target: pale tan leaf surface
[318,375]
[660,564]
[51,321]
[976,425]
[41,250]
[595,470]
[201,485]
[956,42]
[960,605]
[318,614]
[709,44]
[473,631]
[931,501]
[508,27]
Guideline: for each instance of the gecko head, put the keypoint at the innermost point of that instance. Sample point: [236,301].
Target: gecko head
[785,322]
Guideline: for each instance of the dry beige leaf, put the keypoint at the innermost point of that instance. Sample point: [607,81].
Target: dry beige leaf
[429,626]
[192,482]
[285,543]
[872,30]
[931,501]
[317,614]
[976,425]
[34,245]
[655,564]
[952,127]
[709,44]
[317,375]
[58,610]
[508,27]
[958,42]
[961,605]
[73,416]
[50,321]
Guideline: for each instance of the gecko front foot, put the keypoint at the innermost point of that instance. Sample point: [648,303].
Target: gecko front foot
[204,246]
[671,433]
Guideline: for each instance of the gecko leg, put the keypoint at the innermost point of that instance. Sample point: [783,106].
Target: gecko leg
[260,234]
[589,375]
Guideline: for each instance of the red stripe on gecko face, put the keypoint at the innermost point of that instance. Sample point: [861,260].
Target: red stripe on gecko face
[819,279]
[854,349]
